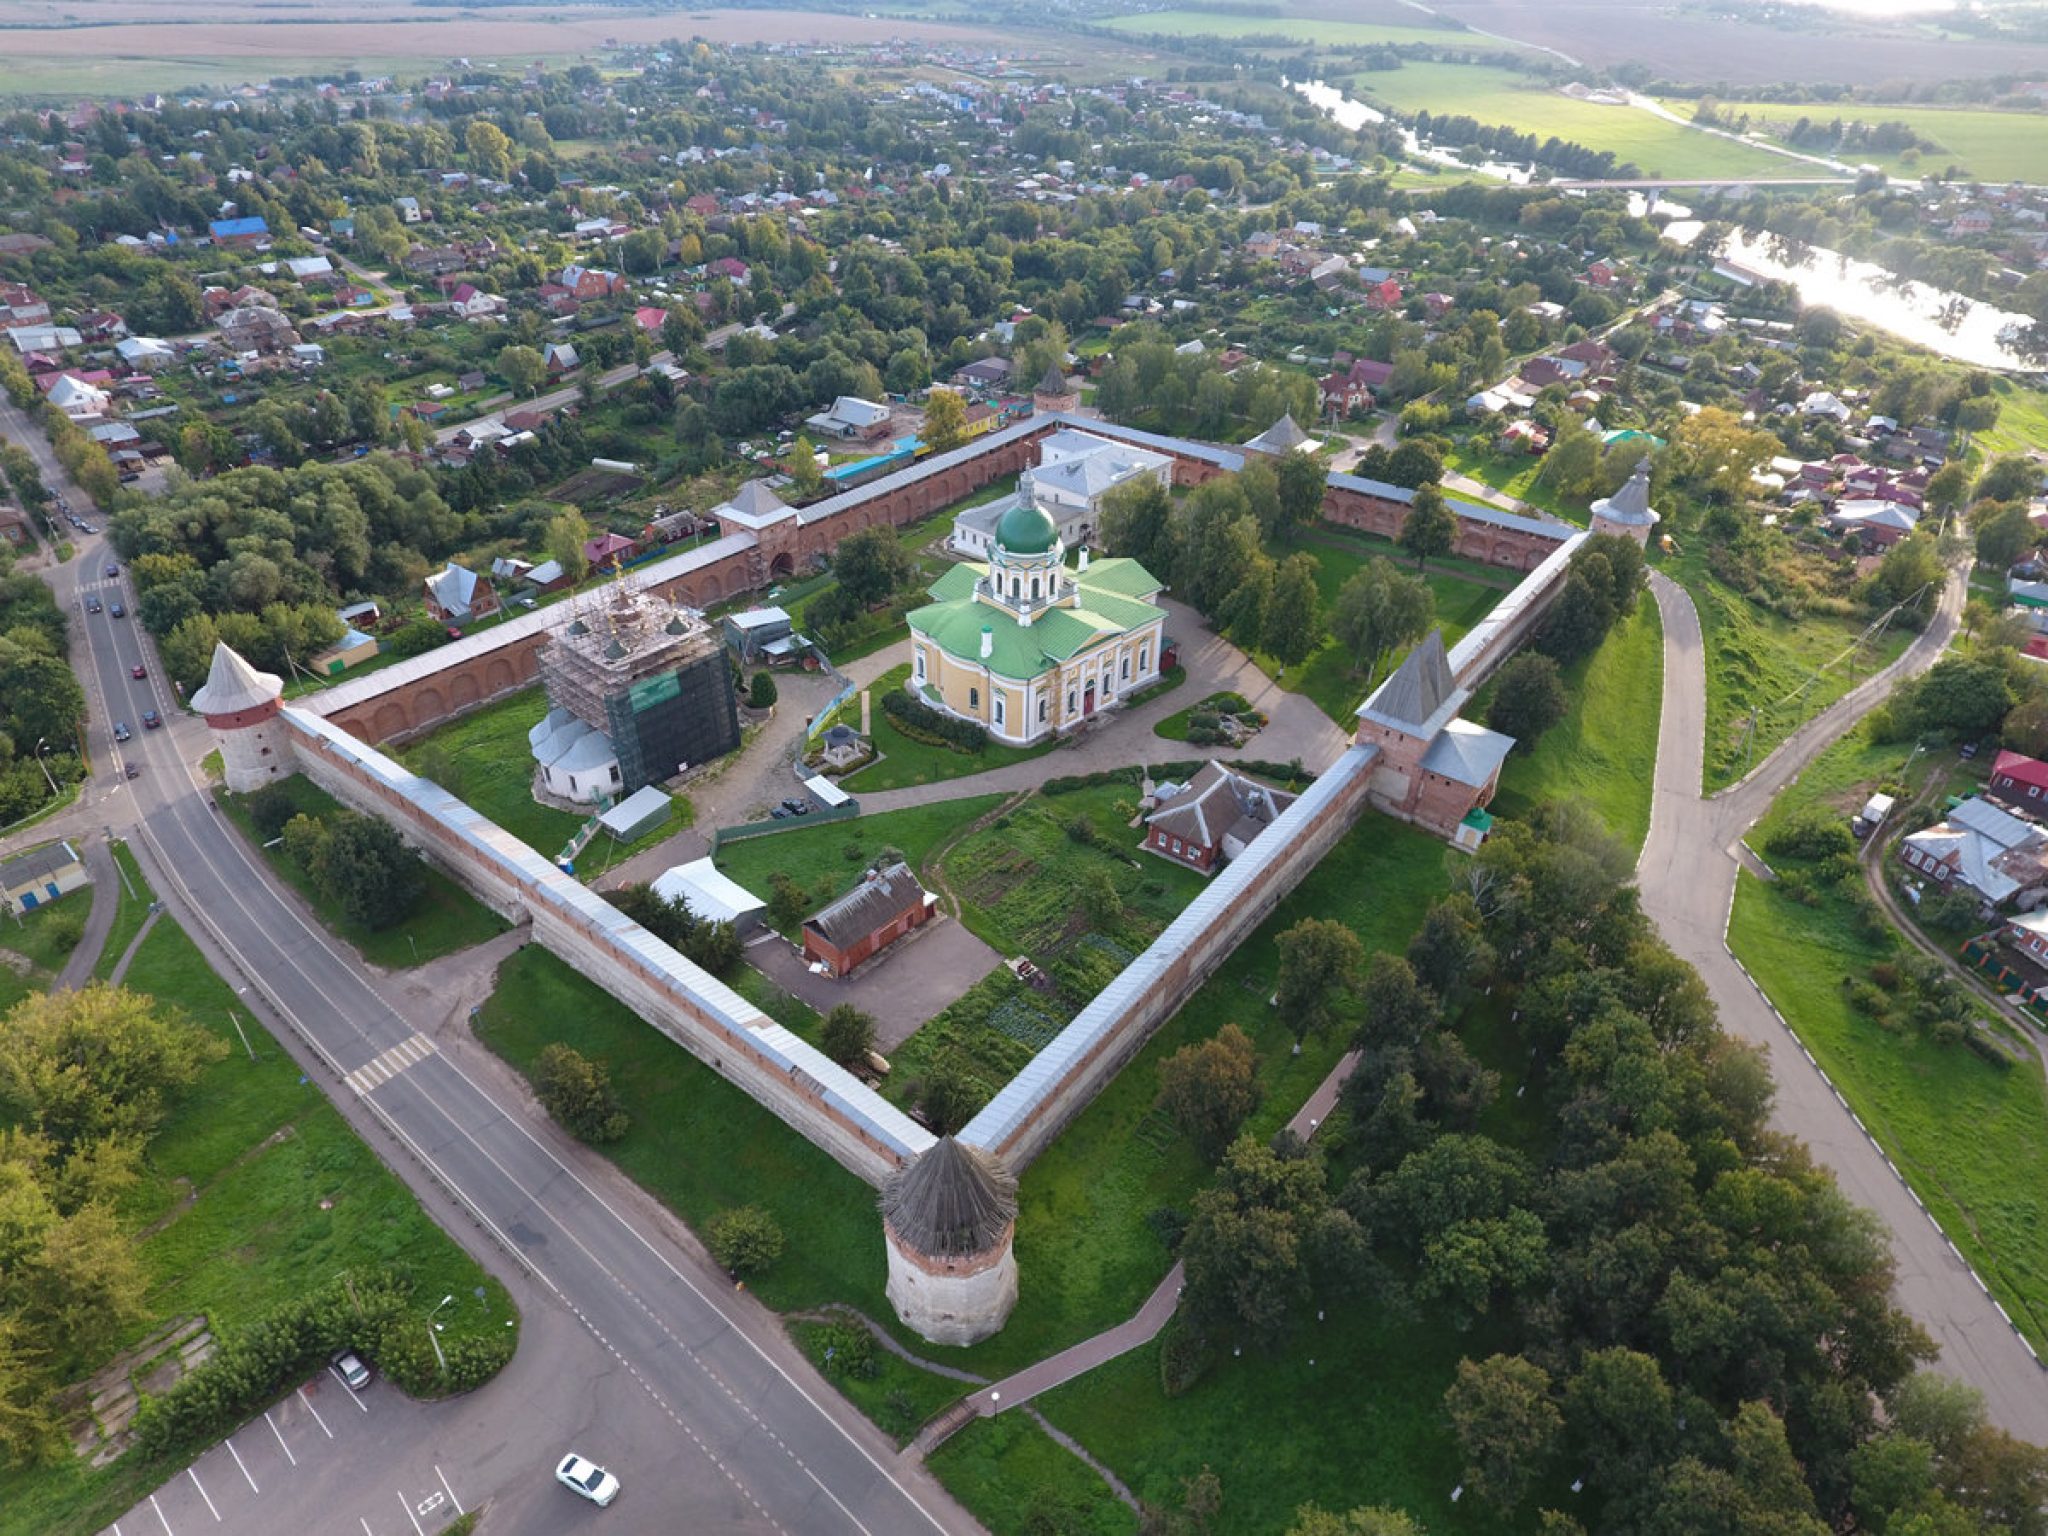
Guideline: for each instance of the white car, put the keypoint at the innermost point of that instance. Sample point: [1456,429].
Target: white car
[588,1479]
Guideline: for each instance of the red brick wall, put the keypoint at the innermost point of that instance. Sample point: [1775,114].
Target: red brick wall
[1488,543]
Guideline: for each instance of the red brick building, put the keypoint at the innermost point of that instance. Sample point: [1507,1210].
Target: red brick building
[1213,817]
[867,919]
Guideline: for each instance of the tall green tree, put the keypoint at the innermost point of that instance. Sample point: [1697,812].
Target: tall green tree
[1430,529]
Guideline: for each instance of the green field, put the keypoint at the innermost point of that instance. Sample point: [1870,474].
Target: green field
[254,1191]
[1018,1481]
[1495,95]
[2022,420]
[1335,34]
[1603,754]
[1991,146]
[31,953]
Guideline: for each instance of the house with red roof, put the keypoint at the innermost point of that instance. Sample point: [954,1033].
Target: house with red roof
[605,547]
[732,269]
[2019,779]
[1342,395]
[1384,295]
[650,319]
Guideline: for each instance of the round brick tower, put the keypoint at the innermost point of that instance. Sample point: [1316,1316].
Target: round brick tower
[947,1219]
[1628,511]
[241,705]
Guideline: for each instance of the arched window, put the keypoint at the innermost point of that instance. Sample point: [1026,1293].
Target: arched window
[974,698]
[1034,589]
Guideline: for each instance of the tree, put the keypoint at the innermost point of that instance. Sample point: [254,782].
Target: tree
[141,1055]
[762,692]
[848,1035]
[1949,487]
[1377,609]
[2014,478]
[1580,615]
[804,472]
[1301,488]
[368,871]
[872,565]
[490,151]
[1415,463]
[1101,901]
[1321,964]
[566,541]
[947,1096]
[681,329]
[1621,1416]
[1505,1423]
[1528,699]
[1396,1009]
[1430,528]
[1211,1087]
[2004,533]
[945,420]
[523,368]
[1373,1521]
[1134,521]
[1247,1247]
[744,1239]
[1293,621]
[577,1091]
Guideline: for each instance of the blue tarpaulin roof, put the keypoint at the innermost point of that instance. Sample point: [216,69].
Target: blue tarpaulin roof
[228,229]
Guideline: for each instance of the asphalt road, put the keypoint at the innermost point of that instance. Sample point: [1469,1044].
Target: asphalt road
[688,1392]
[1687,875]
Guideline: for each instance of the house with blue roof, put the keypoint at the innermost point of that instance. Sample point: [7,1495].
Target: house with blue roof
[245,231]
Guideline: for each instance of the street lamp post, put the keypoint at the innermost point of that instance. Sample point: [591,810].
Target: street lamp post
[434,1332]
[41,748]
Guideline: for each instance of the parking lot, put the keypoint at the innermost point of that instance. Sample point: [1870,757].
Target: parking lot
[323,1461]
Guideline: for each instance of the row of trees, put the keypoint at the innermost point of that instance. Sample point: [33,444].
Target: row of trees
[1680,1309]
[358,862]
[41,702]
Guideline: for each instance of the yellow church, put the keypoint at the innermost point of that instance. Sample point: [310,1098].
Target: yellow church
[1029,648]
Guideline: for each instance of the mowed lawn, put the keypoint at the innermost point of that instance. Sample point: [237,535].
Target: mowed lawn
[1603,754]
[2022,419]
[1990,146]
[254,1191]
[1491,94]
[1013,1476]
[1970,1137]
[904,762]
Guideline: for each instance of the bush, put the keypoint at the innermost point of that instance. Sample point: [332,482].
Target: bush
[847,1349]
[416,639]
[64,930]
[745,1239]
[761,693]
[849,1035]
[270,808]
[1813,834]
[578,1093]
[920,722]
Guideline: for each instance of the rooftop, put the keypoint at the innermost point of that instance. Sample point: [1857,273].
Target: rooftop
[953,1201]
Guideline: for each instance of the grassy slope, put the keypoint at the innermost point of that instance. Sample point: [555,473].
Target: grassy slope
[261,1150]
[904,762]
[1011,1474]
[1758,659]
[129,915]
[446,919]
[835,852]
[1515,475]
[1494,95]
[2022,419]
[1971,1139]
[1604,752]
[1992,146]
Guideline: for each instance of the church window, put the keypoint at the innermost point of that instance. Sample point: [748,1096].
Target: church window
[1141,658]
[974,698]
[999,709]
[1073,701]
[1034,589]
[1043,704]
[1126,673]
[920,666]
[615,774]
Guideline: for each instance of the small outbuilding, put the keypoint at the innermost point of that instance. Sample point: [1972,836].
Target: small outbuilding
[637,815]
[38,877]
[711,894]
[885,906]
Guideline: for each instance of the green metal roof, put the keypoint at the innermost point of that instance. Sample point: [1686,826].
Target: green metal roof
[1027,529]
[1117,574]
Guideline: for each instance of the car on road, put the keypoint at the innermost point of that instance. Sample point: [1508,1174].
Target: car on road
[138,671]
[151,719]
[121,731]
[117,610]
[353,1371]
[92,605]
[113,571]
[587,1478]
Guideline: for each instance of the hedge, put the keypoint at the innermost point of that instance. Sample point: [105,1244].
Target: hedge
[920,722]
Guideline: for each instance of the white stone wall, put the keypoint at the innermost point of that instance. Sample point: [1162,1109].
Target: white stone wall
[252,756]
[951,1309]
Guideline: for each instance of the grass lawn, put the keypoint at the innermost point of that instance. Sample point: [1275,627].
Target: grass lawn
[1513,475]
[904,762]
[833,853]
[2022,418]
[484,759]
[1762,661]
[1011,1474]
[899,1397]
[1990,146]
[1604,752]
[696,1142]
[1970,1137]
[135,899]
[446,919]
[229,1218]
[1491,94]
[1175,726]
[1327,676]
[33,944]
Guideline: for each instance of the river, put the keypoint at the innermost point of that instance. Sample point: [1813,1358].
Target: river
[1964,330]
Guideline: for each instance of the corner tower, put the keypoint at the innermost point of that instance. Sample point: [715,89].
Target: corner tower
[948,1219]
[241,705]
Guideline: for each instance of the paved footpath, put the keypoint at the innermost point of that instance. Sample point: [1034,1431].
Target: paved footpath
[1687,877]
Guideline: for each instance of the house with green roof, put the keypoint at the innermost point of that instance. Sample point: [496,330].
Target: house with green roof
[1028,647]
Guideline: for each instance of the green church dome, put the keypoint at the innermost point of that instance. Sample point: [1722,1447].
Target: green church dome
[1027,529]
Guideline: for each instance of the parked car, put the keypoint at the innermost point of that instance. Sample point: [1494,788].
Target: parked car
[121,731]
[151,719]
[138,671]
[353,1371]
[588,1479]
[132,771]
[117,610]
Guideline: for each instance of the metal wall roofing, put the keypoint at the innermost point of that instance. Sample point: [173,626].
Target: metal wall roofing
[1475,642]
[542,885]
[1025,1095]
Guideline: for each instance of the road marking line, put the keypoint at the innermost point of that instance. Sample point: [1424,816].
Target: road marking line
[408,1512]
[288,1456]
[203,1493]
[366,1526]
[160,1516]
[459,1510]
[245,1471]
[316,1414]
[388,1064]
[353,1396]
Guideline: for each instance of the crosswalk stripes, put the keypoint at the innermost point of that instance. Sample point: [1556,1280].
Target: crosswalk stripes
[383,1068]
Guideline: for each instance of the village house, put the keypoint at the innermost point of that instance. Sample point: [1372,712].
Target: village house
[884,907]
[851,417]
[1212,818]
[458,595]
[1980,848]
[2018,779]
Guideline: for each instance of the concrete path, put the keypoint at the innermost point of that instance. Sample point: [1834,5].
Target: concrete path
[119,973]
[1687,876]
[1144,1325]
[99,919]
[913,981]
